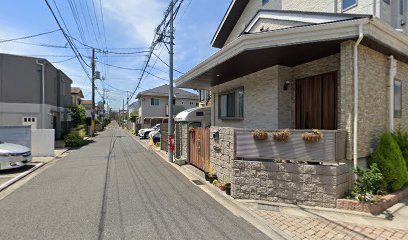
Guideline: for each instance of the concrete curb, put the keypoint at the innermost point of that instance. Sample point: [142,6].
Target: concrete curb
[20,176]
[228,202]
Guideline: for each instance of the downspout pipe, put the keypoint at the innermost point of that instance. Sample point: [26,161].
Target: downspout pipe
[392,75]
[43,93]
[356,90]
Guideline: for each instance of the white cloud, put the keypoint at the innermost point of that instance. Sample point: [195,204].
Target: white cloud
[138,18]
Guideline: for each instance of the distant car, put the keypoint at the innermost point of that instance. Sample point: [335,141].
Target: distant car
[13,155]
[144,133]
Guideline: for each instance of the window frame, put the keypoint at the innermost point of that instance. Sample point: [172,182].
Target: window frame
[153,101]
[398,113]
[349,7]
[237,115]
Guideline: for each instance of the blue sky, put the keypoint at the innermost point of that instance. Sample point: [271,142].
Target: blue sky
[128,24]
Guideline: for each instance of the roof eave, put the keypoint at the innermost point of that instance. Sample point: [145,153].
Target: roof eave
[269,39]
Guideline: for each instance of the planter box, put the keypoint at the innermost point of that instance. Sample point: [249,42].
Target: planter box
[331,148]
[373,208]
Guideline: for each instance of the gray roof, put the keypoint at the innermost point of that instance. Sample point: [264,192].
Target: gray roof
[236,9]
[163,91]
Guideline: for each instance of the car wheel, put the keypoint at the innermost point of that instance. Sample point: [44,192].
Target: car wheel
[146,135]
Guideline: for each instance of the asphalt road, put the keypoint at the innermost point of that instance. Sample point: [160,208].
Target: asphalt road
[114,188]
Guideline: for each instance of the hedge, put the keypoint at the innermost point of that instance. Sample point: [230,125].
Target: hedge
[391,163]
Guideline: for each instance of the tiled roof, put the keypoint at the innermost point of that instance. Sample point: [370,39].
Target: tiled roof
[164,92]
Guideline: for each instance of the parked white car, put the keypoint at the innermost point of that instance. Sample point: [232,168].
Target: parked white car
[144,133]
[13,155]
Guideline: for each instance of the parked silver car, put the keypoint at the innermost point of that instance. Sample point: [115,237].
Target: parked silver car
[13,155]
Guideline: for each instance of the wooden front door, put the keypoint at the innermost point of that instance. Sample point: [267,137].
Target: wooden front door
[316,102]
[199,141]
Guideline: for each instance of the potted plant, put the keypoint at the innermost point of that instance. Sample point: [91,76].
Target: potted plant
[314,136]
[281,136]
[221,186]
[260,134]
[207,176]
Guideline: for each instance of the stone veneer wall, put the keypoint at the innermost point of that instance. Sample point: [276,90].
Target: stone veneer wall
[302,184]
[222,152]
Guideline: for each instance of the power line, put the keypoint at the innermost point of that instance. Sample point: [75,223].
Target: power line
[77,54]
[165,63]
[65,60]
[119,67]
[160,35]
[30,36]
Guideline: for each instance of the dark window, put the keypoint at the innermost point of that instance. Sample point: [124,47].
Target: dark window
[231,104]
[402,7]
[154,101]
[397,98]
[264,2]
[348,4]
[199,114]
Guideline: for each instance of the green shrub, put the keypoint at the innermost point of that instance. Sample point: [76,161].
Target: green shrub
[401,137]
[75,138]
[390,161]
[370,182]
[78,114]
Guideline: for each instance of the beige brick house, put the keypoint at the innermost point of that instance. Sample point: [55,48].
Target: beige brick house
[331,65]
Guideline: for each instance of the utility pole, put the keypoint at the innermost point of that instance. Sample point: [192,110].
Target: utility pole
[171,96]
[123,111]
[93,92]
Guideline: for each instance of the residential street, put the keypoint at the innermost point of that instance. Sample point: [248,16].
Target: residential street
[114,188]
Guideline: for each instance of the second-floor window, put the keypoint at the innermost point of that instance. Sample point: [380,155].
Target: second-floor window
[154,101]
[347,4]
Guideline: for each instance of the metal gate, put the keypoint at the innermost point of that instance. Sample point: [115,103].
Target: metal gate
[199,141]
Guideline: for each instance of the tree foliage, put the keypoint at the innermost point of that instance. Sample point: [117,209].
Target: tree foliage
[391,163]
[133,116]
[78,114]
[401,137]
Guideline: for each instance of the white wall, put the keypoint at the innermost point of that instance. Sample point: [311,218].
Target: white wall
[42,142]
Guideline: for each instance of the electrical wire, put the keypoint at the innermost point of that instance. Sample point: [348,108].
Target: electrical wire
[30,36]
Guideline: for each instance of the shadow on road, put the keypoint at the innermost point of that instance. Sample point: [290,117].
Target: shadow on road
[17,170]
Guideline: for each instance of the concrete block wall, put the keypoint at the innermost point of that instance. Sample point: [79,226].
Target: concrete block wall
[222,152]
[302,184]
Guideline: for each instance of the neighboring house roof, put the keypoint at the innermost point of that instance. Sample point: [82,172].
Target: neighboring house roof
[86,102]
[134,105]
[163,91]
[290,47]
[237,7]
[228,23]
[77,91]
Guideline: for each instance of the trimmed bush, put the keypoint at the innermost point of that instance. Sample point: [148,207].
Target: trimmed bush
[75,138]
[391,163]
[401,137]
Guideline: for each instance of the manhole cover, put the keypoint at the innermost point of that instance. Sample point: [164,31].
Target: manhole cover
[197,182]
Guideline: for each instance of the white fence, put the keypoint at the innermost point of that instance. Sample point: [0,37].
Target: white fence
[42,142]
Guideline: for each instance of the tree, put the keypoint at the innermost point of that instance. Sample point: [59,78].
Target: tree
[390,161]
[78,115]
[133,116]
